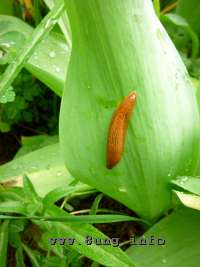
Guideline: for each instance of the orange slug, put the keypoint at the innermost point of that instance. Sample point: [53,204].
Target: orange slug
[117,130]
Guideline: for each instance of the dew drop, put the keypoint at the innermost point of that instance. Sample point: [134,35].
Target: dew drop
[35,55]
[164,261]
[57,69]
[169,175]
[59,173]
[122,189]
[52,54]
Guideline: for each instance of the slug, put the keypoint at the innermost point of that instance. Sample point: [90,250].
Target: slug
[117,130]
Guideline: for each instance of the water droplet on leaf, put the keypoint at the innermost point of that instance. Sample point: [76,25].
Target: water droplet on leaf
[59,173]
[164,261]
[122,189]
[57,69]
[52,54]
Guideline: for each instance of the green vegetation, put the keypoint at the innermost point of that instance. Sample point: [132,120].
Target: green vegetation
[64,68]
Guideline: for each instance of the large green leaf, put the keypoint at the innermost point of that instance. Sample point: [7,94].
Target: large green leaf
[117,47]
[182,242]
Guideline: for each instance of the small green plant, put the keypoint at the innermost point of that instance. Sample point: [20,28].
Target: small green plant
[34,106]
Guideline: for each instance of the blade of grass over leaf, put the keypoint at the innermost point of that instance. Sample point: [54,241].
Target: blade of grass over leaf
[49,54]
[67,192]
[63,22]
[18,63]
[79,218]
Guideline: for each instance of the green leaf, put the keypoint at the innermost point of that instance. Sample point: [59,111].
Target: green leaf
[67,218]
[117,48]
[33,143]
[190,10]
[44,167]
[106,255]
[23,55]
[180,22]
[6,7]
[182,241]
[29,189]
[9,96]
[13,206]
[3,242]
[12,193]
[14,239]
[60,192]
[156,4]
[19,258]
[189,200]
[4,127]
[52,51]
[95,204]
[52,261]
[63,22]
[191,184]
[32,256]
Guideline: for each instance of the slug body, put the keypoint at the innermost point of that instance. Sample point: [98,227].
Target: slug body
[117,130]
